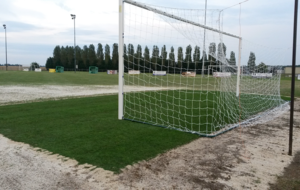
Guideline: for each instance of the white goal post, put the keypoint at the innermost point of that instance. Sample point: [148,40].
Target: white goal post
[121,44]
[121,60]
[162,73]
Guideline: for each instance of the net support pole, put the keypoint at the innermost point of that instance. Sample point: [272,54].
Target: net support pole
[121,60]
[204,40]
[239,69]
[293,79]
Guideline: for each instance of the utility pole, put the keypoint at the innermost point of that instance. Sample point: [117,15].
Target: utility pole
[73,18]
[5,45]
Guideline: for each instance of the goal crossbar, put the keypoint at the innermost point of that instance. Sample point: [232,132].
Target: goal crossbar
[177,18]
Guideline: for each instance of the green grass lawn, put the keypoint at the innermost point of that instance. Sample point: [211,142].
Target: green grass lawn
[46,78]
[285,87]
[84,78]
[87,129]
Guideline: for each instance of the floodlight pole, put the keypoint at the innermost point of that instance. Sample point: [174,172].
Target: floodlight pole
[73,18]
[121,60]
[4,25]
[293,78]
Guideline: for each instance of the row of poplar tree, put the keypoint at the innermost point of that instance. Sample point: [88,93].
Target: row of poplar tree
[158,59]
[85,57]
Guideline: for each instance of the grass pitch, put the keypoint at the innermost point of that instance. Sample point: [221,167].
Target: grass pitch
[84,78]
[87,129]
[65,78]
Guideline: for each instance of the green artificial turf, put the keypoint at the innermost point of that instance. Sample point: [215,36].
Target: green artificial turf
[203,112]
[87,129]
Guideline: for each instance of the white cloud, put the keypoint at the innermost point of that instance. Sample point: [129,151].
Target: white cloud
[47,23]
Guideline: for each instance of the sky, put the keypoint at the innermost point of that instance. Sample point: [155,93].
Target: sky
[35,27]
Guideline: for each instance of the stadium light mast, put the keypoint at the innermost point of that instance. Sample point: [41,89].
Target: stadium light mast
[4,26]
[73,18]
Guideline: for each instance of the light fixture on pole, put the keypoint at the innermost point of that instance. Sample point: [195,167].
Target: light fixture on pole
[5,45]
[73,18]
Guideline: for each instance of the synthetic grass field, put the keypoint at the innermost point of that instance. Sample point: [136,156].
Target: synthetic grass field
[87,129]
[201,111]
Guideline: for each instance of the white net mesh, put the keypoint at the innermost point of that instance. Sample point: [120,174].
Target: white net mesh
[184,90]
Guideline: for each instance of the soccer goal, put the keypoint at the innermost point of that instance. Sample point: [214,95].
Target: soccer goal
[186,80]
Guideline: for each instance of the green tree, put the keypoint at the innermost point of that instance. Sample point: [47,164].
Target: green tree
[92,55]
[171,59]
[84,56]
[115,56]
[70,56]
[130,55]
[232,60]
[100,55]
[63,56]
[251,62]
[138,56]
[107,56]
[179,57]
[188,58]
[262,68]
[188,53]
[196,57]
[155,58]
[49,63]
[147,58]
[163,57]
[56,56]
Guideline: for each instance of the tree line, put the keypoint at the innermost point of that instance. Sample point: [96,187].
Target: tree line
[145,60]
[85,57]
[173,62]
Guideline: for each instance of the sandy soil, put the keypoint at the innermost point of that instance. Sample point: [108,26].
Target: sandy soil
[22,94]
[244,158]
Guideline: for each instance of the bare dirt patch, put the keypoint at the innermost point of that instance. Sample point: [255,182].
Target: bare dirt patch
[23,94]
[25,167]
[244,158]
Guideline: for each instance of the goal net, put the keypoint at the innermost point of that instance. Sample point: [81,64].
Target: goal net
[181,71]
